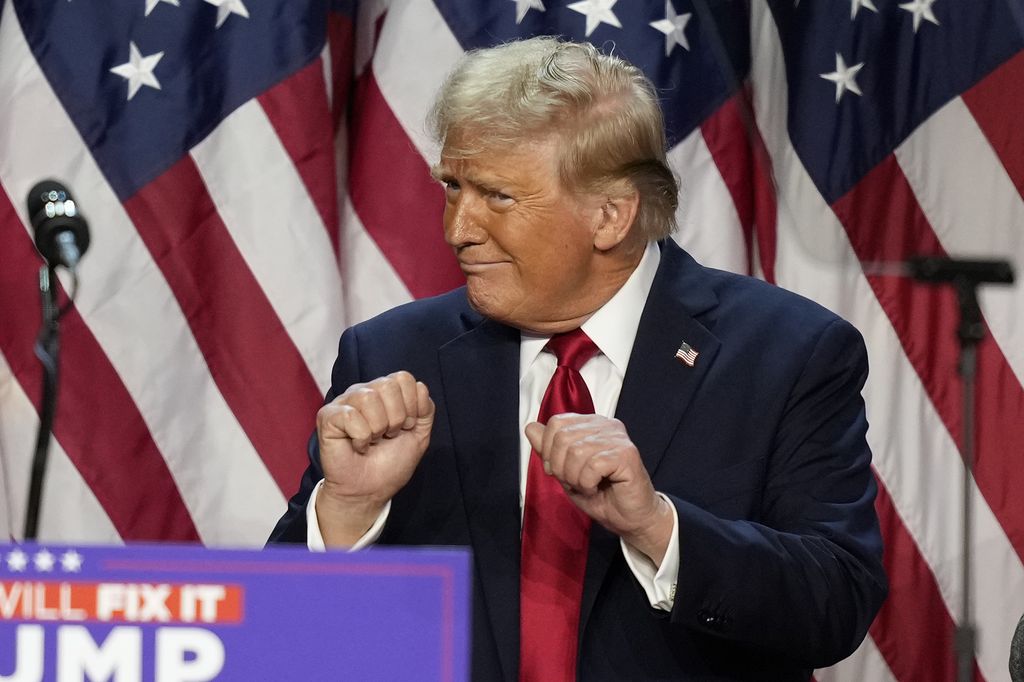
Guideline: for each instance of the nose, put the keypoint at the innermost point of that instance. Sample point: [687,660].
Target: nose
[462,226]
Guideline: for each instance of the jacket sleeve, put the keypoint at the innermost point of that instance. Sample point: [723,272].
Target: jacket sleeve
[806,579]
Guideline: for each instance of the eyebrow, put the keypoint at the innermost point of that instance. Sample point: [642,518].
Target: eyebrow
[439,172]
[442,174]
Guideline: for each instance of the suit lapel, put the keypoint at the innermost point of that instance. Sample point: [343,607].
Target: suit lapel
[658,387]
[480,373]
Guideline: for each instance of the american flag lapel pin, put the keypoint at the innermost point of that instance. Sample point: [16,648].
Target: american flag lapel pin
[687,354]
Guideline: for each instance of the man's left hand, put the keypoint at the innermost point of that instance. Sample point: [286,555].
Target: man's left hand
[601,470]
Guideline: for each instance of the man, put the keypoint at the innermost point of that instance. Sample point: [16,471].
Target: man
[721,527]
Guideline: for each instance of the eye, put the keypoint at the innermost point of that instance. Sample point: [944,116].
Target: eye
[498,199]
[451,189]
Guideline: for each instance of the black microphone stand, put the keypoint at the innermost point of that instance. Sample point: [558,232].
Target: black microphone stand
[965,276]
[47,349]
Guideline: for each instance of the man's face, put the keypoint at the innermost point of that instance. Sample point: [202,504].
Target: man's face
[524,242]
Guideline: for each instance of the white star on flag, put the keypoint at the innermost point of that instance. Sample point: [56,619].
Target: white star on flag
[855,6]
[524,6]
[225,8]
[151,4]
[844,77]
[921,9]
[17,560]
[71,561]
[597,12]
[138,70]
[674,27]
[44,560]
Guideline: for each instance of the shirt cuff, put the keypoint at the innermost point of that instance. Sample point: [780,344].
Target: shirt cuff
[315,539]
[659,583]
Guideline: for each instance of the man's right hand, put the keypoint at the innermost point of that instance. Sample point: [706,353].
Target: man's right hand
[371,438]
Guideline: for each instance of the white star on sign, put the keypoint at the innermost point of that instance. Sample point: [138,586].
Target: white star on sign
[855,6]
[44,561]
[597,12]
[844,77]
[71,561]
[17,560]
[150,4]
[921,9]
[674,27]
[138,70]
[225,8]
[524,6]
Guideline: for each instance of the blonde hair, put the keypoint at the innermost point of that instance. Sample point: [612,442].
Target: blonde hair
[603,110]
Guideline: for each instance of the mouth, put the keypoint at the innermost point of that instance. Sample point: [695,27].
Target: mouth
[479,267]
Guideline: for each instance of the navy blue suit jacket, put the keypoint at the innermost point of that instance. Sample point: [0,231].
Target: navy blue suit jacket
[760,445]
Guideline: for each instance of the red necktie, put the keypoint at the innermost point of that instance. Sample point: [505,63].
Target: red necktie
[555,535]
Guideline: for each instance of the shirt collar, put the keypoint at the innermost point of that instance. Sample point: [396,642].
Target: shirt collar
[613,326]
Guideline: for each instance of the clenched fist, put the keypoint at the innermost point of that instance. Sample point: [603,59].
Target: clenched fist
[602,473]
[371,438]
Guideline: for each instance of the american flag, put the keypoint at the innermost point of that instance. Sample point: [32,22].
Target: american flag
[255,173]
[687,354]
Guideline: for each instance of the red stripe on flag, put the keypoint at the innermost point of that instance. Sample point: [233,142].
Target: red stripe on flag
[97,421]
[297,108]
[914,624]
[396,199]
[251,358]
[996,103]
[885,224]
[743,162]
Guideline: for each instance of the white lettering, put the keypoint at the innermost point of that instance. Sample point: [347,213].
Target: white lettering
[41,611]
[172,646]
[9,599]
[68,612]
[154,603]
[109,600]
[28,665]
[205,597]
[119,657]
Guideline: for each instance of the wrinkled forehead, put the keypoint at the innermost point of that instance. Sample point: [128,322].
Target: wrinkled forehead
[473,141]
[516,162]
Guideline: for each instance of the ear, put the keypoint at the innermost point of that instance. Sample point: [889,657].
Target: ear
[618,214]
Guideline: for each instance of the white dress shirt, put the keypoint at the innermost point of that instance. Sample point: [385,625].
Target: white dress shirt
[612,329]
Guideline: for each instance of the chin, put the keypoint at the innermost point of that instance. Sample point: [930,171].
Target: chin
[490,306]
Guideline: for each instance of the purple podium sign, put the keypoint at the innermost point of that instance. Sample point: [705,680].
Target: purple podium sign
[169,613]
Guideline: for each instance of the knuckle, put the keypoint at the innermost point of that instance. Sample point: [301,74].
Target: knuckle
[403,376]
[357,394]
[561,439]
[558,420]
[577,449]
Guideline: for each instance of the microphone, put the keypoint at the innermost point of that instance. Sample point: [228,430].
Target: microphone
[940,269]
[61,233]
[1017,653]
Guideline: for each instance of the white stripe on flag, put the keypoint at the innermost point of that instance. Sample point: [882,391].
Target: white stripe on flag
[708,225]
